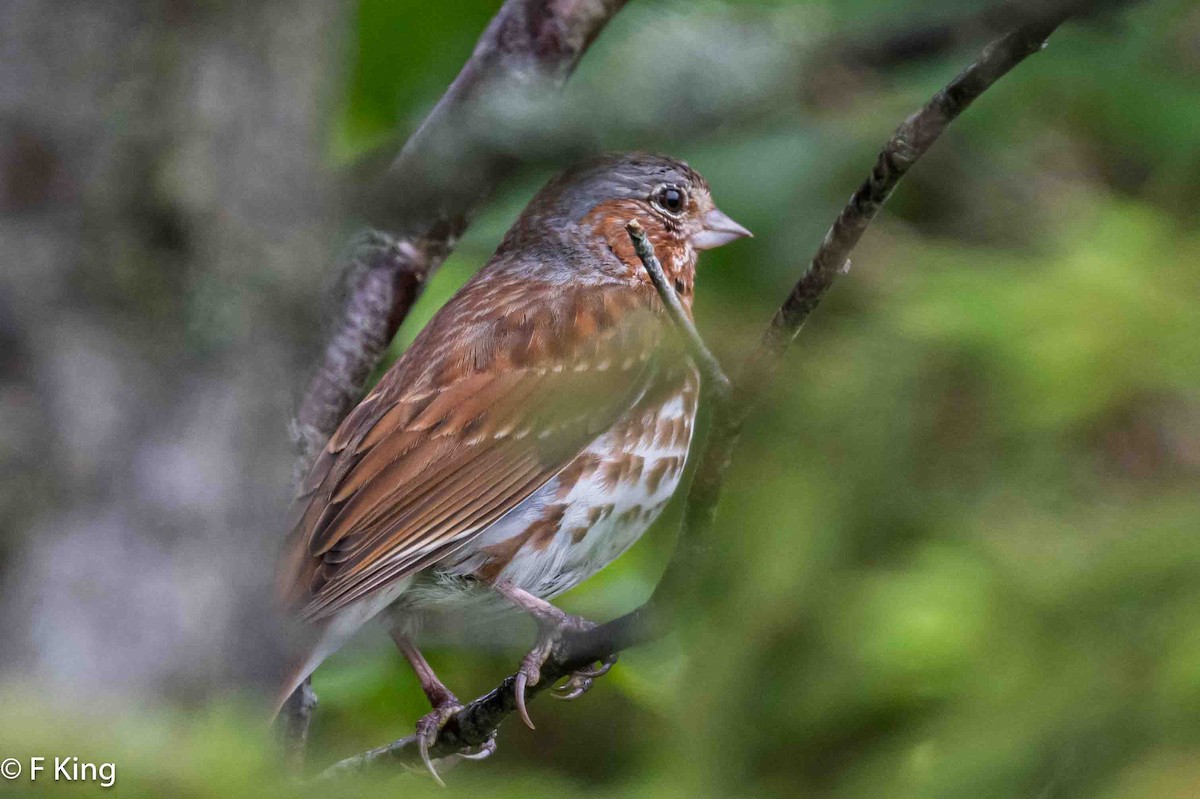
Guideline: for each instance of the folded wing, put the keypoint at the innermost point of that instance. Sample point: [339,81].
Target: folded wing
[482,410]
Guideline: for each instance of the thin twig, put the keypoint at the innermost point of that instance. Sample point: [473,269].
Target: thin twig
[479,719]
[709,366]
[911,140]
[295,718]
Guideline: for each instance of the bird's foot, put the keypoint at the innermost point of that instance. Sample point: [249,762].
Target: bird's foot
[429,727]
[581,680]
[530,672]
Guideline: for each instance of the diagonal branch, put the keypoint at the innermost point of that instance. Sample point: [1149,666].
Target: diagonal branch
[911,140]
[708,364]
[442,175]
[479,719]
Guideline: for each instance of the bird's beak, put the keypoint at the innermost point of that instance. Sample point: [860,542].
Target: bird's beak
[718,231]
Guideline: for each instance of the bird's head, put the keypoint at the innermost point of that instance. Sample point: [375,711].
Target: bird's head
[591,203]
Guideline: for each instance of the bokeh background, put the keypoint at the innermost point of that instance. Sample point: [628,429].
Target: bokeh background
[958,553]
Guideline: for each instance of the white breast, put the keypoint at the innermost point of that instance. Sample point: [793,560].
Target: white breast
[610,507]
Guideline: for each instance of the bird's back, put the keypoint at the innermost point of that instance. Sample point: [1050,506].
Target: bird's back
[508,384]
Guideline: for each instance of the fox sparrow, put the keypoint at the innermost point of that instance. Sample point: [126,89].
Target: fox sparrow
[532,432]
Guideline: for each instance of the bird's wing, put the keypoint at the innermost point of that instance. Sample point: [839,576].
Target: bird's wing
[481,411]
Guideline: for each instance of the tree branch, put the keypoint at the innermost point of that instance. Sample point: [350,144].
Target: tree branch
[709,366]
[478,720]
[442,175]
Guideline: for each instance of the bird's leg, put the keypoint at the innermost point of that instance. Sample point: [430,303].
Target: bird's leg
[445,705]
[552,622]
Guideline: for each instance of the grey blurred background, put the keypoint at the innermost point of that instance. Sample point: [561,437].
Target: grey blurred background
[166,229]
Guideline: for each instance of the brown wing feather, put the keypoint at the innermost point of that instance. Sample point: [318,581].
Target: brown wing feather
[483,409]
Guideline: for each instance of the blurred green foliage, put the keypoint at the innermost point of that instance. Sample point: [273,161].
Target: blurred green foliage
[958,553]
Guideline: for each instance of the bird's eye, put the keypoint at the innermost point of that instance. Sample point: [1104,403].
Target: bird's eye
[671,199]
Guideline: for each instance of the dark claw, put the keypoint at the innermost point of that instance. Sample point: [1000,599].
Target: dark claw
[530,673]
[428,729]
[598,671]
[486,750]
[580,682]
[519,691]
[573,689]
[423,745]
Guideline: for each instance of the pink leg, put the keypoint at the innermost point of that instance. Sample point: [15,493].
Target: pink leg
[551,622]
[537,607]
[445,705]
[434,688]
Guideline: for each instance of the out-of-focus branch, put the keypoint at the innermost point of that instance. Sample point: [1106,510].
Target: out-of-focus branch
[384,276]
[456,156]
[930,39]
[294,720]
[941,36]
[439,179]
[442,175]
[478,720]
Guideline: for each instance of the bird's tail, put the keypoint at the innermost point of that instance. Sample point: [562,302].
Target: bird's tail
[327,638]
[292,679]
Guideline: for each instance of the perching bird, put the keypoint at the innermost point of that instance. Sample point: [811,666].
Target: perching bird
[530,434]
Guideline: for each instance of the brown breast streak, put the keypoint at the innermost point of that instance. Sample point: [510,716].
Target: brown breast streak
[663,468]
